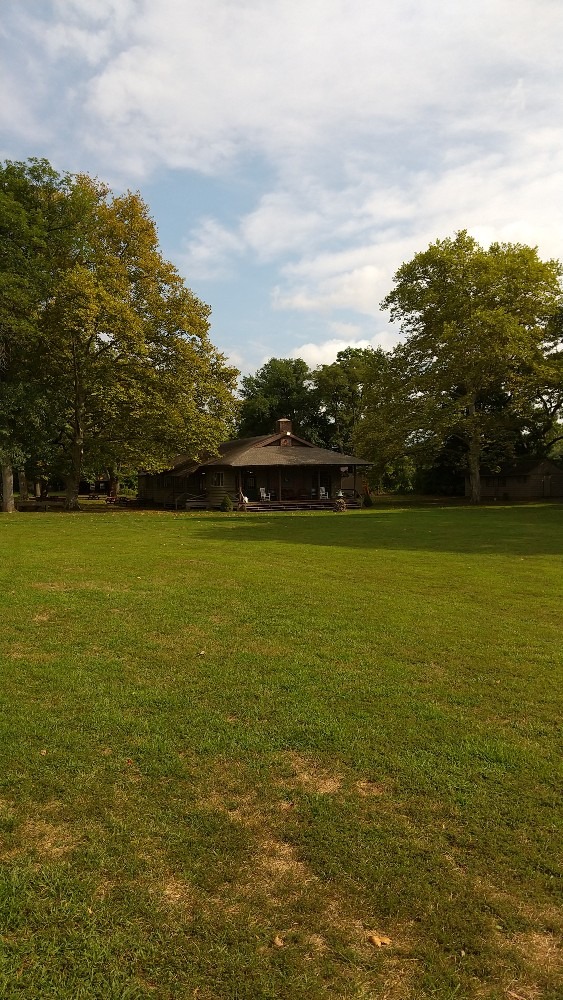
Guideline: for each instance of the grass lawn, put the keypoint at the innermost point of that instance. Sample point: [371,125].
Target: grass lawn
[234,748]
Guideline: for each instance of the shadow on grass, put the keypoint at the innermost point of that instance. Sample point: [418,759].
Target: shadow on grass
[519,530]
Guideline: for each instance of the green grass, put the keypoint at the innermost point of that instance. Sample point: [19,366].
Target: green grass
[233,746]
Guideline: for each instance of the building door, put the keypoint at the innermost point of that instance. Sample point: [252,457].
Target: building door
[547,486]
[249,485]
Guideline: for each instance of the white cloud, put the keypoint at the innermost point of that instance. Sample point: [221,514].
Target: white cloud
[16,117]
[281,223]
[379,127]
[325,352]
[66,39]
[208,252]
[355,289]
[512,199]
[195,84]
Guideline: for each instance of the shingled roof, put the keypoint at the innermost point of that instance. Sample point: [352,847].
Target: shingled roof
[280,449]
[523,467]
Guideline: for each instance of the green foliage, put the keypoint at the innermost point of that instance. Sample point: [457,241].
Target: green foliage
[325,405]
[227,503]
[118,351]
[26,233]
[480,343]
[384,434]
[283,387]
[339,388]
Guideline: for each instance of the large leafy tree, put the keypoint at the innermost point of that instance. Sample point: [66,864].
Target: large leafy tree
[542,424]
[340,391]
[479,327]
[283,387]
[392,430]
[126,366]
[24,283]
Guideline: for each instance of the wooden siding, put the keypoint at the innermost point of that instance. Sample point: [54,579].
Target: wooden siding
[529,487]
[211,484]
[215,494]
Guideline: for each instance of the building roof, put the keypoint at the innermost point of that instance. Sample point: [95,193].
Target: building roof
[523,467]
[285,449]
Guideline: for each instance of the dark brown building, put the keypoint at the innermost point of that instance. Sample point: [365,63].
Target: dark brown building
[271,469]
[526,479]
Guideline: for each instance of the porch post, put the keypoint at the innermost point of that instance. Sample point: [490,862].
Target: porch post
[279,482]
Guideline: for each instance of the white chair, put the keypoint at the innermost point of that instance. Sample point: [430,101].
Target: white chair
[263,494]
[323,493]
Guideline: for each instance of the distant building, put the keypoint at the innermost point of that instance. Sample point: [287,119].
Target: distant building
[273,469]
[525,479]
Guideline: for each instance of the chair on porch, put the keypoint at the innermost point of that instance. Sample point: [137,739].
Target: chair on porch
[263,494]
[323,493]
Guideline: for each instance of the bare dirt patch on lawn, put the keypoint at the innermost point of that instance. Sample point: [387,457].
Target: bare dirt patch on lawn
[309,776]
[50,840]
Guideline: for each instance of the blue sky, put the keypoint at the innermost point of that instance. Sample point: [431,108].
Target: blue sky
[294,152]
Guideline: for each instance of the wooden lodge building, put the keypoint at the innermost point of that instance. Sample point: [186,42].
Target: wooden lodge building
[278,470]
[526,479]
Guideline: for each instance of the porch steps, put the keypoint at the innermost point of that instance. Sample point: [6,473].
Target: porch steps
[271,505]
[262,506]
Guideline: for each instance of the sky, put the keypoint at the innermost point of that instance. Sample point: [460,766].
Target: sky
[293,153]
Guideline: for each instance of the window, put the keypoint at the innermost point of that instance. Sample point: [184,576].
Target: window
[217,479]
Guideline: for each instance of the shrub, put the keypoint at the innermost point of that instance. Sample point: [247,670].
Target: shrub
[367,500]
[226,503]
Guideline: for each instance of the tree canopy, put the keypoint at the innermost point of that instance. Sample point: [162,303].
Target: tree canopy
[340,393]
[283,387]
[106,361]
[324,403]
[102,331]
[481,343]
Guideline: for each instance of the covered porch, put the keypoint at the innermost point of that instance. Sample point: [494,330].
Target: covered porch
[282,484]
[274,471]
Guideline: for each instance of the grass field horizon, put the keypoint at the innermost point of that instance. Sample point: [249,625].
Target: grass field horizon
[268,756]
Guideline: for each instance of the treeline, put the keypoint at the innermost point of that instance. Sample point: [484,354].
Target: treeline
[476,380]
[106,362]
[105,357]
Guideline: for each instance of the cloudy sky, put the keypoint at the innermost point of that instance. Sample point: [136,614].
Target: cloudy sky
[295,152]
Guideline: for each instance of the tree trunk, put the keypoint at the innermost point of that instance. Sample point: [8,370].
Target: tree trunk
[8,505]
[72,484]
[77,451]
[37,488]
[72,480]
[22,479]
[474,457]
[113,484]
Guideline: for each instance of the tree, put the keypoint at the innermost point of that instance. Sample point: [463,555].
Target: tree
[23,274]
[542,425]
[283,387]
[340,388]
[390,431]
[124,361]
[478,326]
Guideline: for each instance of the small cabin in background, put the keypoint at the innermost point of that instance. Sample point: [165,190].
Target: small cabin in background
[271,469]
[525,479]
